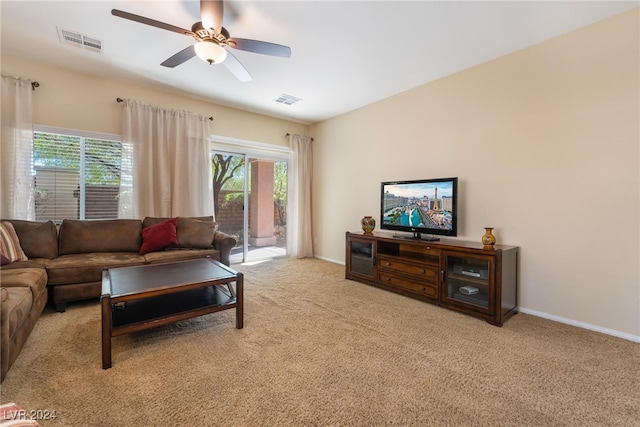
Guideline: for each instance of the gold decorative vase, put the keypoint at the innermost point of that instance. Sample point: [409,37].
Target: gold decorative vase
[368,224]
[488,239]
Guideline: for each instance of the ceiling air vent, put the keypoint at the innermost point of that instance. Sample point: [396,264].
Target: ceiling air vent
[80,40]
[287,99]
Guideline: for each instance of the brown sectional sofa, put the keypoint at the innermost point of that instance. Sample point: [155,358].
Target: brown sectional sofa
[67,262]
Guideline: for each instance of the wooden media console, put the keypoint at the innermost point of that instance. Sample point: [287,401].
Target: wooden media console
[459,275]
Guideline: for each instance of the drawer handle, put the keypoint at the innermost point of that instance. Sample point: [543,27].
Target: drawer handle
[388,264]
[424,271]
[388,279]
[424,289]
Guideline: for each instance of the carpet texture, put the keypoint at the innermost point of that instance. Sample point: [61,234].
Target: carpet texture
[320,350]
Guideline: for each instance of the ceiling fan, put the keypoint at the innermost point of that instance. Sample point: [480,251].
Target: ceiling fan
[211,40]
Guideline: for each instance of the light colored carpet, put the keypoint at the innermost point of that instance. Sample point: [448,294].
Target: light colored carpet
[317,349]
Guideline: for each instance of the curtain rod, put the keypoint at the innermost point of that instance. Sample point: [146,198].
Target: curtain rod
[34,85]
[120,100]
[290,134]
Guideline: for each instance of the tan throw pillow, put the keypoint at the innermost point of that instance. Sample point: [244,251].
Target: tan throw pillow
[195,233]
[9,243]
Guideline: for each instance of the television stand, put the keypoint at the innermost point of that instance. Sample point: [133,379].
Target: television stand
[418,236]
[455,274]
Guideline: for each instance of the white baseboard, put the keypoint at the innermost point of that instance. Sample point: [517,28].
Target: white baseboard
[329,260]
[583,325]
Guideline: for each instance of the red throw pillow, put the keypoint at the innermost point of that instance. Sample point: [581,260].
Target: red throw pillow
[4,260]
[159,236]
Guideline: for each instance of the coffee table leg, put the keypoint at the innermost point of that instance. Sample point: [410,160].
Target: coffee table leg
[240,301]
[107,324]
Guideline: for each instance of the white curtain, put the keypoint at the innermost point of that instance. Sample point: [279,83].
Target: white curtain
[300,243]
[168,156]
[16,150]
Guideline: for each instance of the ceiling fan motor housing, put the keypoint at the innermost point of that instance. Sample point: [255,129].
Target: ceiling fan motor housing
[200,33]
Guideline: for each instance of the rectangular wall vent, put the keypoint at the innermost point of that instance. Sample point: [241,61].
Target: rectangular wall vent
[287,99]
[80,40]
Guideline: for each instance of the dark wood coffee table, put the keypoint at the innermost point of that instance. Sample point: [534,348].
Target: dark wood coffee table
[142,297]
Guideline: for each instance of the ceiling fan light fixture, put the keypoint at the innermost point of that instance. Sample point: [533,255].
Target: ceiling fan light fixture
[210,51]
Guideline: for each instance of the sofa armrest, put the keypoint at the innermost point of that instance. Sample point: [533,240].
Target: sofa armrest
[224,243]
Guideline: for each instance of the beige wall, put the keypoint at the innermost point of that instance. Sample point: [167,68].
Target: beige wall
[545,144]
[79,101]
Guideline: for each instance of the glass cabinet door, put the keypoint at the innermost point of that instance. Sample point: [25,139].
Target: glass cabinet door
[360,258]
[467,282]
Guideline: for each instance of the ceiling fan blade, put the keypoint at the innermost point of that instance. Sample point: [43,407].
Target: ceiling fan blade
[212,12]
[238,70]
[149,21]
[257,46]
[180,57]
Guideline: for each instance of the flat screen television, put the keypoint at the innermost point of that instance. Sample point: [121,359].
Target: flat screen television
[425,206]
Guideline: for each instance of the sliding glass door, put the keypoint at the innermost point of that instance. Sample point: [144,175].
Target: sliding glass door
[250,199]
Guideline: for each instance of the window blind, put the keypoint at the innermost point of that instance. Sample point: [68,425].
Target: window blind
[77,176]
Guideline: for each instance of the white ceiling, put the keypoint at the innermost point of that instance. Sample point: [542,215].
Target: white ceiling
[345,54]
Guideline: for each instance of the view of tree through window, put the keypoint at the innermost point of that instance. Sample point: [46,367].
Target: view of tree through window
[76,177]
[228,173]
[280,191]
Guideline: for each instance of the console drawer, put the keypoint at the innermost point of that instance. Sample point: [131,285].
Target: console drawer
[427,273]
[427,289]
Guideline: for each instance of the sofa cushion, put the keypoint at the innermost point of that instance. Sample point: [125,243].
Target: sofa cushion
[34,279]
[89,236]
[21,289]
[10,244]
[4,260]
[159,236]
[193,232]
[82,268]
[30,263]
[172,255]
[37,239]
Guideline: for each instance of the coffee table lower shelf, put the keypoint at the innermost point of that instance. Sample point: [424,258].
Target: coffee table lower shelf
[138,315]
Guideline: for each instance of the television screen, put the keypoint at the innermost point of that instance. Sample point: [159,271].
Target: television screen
[420,206]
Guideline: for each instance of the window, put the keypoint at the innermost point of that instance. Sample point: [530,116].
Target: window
[77,174]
